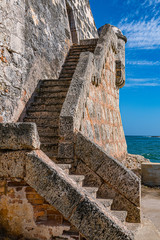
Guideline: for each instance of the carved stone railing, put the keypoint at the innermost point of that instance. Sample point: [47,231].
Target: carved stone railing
[89,69]
[24,160]
[74,105]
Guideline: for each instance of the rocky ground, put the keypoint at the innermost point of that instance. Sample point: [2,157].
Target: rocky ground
[134,162]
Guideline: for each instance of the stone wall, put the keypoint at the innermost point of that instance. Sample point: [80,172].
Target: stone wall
[24,212]
[92,102]
[34,40]
[26,198]
[102,120]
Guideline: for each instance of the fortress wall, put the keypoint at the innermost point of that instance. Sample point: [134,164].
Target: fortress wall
[102,120]
[34,40]
[24,211]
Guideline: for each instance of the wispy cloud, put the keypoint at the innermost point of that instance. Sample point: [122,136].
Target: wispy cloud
[142,25]
[150,2]
[142,82]
[142,85]
[144,63]
[142,34]
[139,80]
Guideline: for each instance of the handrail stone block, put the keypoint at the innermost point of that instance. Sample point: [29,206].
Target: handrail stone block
[111,170]
[75,204]
[19,136]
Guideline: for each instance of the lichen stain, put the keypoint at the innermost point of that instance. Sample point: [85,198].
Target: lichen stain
[2,57]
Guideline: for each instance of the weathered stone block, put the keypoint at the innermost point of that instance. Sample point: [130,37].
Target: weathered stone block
[94,223]
[17,136]
[12,164]
[151,174]
[66,150]
[109,169]
[53,185]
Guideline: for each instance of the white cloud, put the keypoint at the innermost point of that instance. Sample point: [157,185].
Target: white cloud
[142,82]
[144,63]
[142,85]
[142,34]
[151,2]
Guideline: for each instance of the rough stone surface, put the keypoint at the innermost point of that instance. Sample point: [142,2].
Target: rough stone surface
[151,174]
[92,102]
[125,182]
[106,191]
[71,201]
[24,214]
[60,191]
[34,41]
[133,162]
[102,120]
[12,163]
[16,136]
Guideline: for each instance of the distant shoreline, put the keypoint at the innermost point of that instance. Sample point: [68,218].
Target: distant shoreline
[142,136]
[155,136]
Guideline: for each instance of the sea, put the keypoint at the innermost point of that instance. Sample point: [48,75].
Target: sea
[147,146]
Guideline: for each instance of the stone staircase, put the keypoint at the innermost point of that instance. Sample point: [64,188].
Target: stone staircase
[73,232]
[48,101]
[45,111]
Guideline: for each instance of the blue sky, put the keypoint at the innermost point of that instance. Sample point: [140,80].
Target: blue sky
[140,23]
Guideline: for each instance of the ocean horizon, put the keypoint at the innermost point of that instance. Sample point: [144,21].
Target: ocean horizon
[146,145]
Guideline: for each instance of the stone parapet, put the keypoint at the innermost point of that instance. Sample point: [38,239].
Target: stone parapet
[19,136]
[109,169]
[107,40]
[150,174]
[74,105]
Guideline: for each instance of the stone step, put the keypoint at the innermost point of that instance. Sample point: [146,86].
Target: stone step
[48,108]
[65,167]
[67,75]
[76,53]
[56,88]
[79,51]
[70,64]
[49,148]
[67,71]
[42,114]
[48,130]
[65,79]
[48,100]
[52,139]
[73,58]
[92,191]
[42,120]
[52,94]
[52,155]
[81,47]
[74,235]
[59,82]
[56,104]
[121,215]
[106,202]
[78,179]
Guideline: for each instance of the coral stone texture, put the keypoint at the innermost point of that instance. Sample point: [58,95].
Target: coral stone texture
[19,136]
[63,168]
[34,41]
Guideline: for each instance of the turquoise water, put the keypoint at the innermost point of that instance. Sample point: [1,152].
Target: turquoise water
[147,146]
